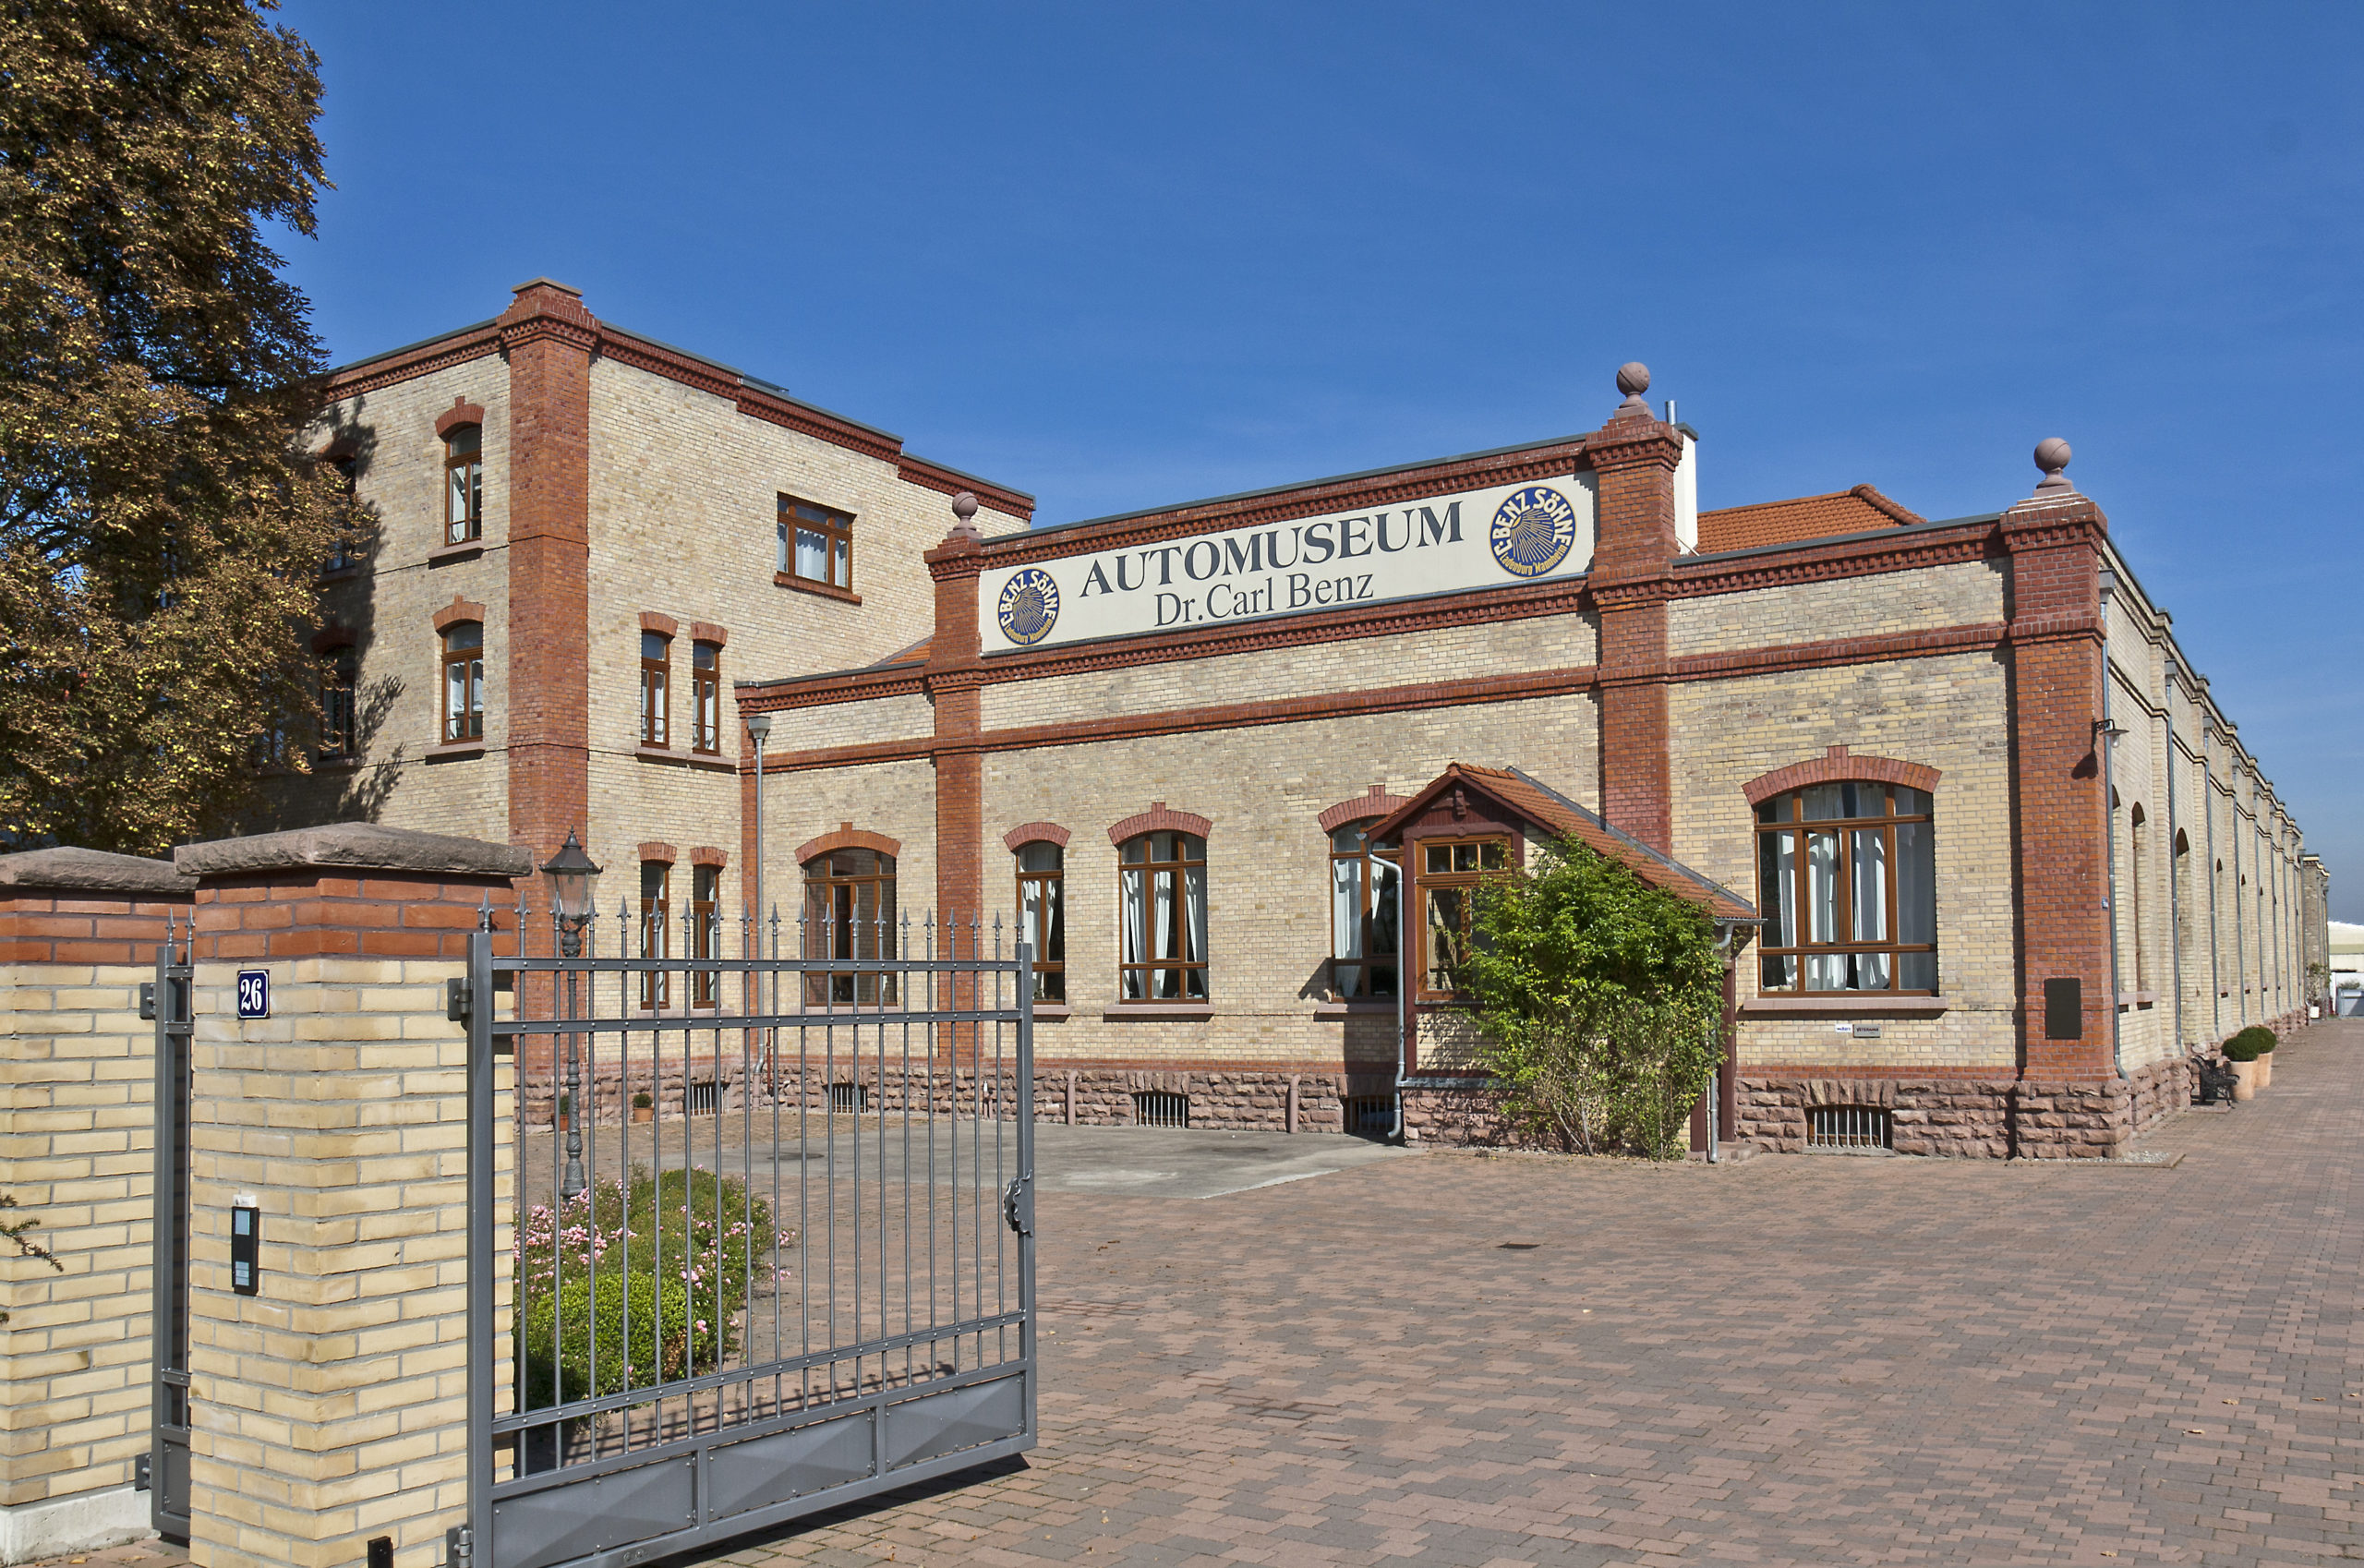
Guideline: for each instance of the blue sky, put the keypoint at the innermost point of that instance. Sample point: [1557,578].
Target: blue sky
[1126,254]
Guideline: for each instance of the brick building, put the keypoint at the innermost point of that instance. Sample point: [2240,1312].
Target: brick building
[1991,860]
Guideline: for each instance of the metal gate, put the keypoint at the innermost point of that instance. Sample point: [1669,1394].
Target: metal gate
[167,1001]
[773,1245]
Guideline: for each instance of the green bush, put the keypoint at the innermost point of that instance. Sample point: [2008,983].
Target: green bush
[2256,1034]
[2241,1048]
[644,1332]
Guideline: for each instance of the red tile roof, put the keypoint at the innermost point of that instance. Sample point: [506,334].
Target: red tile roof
[1859,510]
[1556,814]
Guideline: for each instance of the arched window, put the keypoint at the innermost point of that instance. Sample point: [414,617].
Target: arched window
[706,931]
[1162,904]
[340,670]
[2139,845]
[463,484]
[705,697]
[655,676]
[849,914]
[1043,915]
[1846,885]
[1363,916]
[656,929]
[464,682]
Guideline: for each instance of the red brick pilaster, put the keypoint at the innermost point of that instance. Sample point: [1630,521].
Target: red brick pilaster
[78,906]
[1634,458]
[2062,874]
[549,336]
[348,890]
[952,682]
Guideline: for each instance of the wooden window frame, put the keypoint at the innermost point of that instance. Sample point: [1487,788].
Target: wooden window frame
[1050,883]
[340,709]
[705,697]
[1192,965]
[655,688]
[832,931]
[463,475]
[706,934]
[1787,809]
[835,531]
[1376,957]
[1424,880]
[656,934]
[459,729]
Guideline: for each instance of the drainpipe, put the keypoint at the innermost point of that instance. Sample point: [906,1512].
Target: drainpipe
[1727,1088]
[1403,982]
[2107,733]
[2174,883]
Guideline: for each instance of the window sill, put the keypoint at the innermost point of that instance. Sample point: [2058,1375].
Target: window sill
[1846,1006]
[2136,999]
[820,590]
[1353,1010]
[1158,1010]
[453,751]
[443,555]
[1052,1010]
[708,760]
[335,765]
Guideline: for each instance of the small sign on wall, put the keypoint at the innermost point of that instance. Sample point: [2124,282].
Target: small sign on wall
[254,992]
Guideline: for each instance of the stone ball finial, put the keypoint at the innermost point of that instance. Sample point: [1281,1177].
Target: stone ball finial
[964,506]
[2052,455]
[1632,377]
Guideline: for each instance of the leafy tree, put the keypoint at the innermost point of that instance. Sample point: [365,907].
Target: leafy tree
[1599,1000]
[15,1230]
[161,536]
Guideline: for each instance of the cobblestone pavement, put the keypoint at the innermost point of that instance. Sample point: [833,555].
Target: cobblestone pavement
[1806,1359]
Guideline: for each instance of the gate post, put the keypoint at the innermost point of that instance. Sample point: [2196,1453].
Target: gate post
[79,934]
[327,1393]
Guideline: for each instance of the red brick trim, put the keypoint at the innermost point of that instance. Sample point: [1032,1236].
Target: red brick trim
[392,370]
[87,927]
[369,913]
[707,632]
[657,849]
[1159,819]
[1430,480]
[1362,808]
[458,611]
[1836,765]
[461,413]
[707,854]
[944,481]
[847,837]
[660,622]
[329,638]
[1028,833]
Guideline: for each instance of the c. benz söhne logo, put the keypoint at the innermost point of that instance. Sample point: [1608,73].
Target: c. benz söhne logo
[1532,532]
[1030,606]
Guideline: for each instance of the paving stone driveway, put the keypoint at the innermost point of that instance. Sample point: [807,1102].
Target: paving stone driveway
[1793,1360]
[1804,1360]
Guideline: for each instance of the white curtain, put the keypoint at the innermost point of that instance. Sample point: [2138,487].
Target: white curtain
[1136,918]
[1194,894]
[1869,896]
[1162,911]
[1825,972]
[811,556]
[1346,922]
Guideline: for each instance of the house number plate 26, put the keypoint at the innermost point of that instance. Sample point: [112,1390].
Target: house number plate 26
[254,994]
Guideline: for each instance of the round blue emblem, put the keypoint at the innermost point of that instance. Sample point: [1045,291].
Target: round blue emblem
[1533,531]
[1030,606]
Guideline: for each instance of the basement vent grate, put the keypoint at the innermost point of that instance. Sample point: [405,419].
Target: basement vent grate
[849,1097]
[1848,1127]
[1161,1107]
[1370,1116]
[703,1098]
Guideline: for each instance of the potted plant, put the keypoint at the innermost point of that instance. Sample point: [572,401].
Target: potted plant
[2264,1039]
[563,1106]
[2242,1052]
[644,1109]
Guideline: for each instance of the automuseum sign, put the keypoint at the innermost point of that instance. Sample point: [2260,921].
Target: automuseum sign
[1494,537]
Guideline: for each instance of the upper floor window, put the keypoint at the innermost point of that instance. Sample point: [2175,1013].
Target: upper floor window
[1363,920]
[1446,880]
[344,551]
[1847,884]
[1043,915]
[850,915]
[463,485]
[464,682]
[655,675]
[339,672]
[1162,899]
[656,906]
[705,697]
[706,931]
[815,544]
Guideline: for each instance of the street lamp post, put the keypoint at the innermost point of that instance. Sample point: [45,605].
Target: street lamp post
[759,729]
[572,875]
